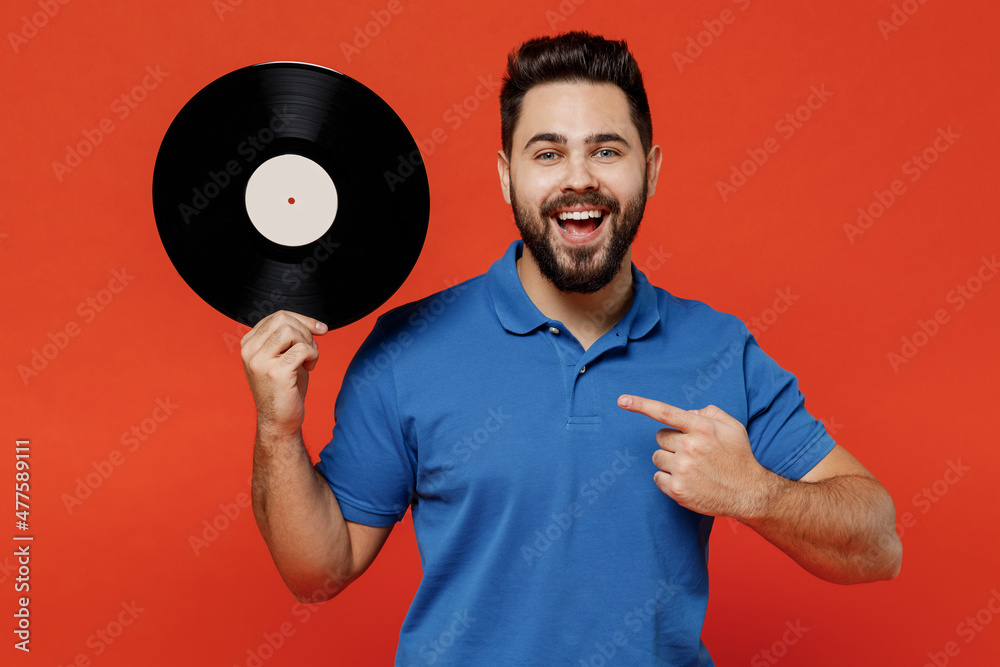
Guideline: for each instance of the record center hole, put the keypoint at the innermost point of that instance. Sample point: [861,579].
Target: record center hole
[291,200]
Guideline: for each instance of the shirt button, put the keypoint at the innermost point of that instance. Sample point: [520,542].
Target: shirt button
[554,330]
[582,370]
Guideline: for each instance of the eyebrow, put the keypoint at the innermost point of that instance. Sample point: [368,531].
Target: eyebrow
[606,138]
[599,138]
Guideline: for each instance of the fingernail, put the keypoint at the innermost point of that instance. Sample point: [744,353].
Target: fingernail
[625,401]
[320,327]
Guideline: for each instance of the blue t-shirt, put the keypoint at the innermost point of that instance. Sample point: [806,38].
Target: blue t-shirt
[542,537]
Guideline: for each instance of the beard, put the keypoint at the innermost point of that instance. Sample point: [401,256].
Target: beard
[580,269]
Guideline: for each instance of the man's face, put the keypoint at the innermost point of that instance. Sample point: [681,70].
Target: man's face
[577,181]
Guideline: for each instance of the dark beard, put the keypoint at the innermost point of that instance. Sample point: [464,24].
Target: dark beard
[586,273]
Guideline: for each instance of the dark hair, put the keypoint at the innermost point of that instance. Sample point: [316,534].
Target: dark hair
[572,56]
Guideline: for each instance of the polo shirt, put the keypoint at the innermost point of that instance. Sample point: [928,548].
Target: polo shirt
[542,537]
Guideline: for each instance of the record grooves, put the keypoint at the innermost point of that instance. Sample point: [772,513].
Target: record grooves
[270,193]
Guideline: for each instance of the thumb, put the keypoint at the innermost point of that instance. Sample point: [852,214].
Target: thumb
[718,414]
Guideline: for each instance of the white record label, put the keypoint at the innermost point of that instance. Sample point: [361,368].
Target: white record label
[291,200]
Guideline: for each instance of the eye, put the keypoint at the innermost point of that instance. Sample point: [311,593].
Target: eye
[547,156]
[607,153]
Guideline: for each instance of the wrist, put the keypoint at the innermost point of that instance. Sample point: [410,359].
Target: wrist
[274,434]
[765,498]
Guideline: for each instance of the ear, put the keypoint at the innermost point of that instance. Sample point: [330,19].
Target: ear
[653,161]
[503,168]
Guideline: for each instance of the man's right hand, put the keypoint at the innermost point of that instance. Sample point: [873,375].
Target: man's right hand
[278,354]
[317,551]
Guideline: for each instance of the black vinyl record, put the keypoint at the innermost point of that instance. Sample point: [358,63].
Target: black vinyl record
[289,186]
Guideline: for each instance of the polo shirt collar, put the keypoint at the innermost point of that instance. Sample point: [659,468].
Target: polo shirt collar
[518,314]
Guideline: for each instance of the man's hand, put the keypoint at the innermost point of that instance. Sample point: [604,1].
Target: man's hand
[705,460]
[841,527]
[317,552]
[278,354]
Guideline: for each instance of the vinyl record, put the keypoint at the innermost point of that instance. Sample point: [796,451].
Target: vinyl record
[289,186]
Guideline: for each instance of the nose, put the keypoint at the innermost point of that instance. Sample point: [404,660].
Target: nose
[579,175]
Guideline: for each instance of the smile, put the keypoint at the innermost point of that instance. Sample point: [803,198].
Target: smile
[580,225]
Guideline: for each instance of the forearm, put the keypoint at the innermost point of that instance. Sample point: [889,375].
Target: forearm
[299,517]
[841,529]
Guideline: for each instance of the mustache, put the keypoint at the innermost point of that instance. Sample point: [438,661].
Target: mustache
[595,199]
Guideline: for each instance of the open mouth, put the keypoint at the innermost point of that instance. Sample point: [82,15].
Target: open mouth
[580,223]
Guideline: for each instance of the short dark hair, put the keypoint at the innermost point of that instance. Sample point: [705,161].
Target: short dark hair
[572,56]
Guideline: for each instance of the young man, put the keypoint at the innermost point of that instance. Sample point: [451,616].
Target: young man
[511,413]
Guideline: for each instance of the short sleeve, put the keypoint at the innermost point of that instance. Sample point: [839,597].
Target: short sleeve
[368,463]
[785,438]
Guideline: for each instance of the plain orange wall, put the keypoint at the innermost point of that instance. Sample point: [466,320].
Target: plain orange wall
[124,554]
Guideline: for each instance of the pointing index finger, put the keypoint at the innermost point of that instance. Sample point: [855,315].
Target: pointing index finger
[664,413]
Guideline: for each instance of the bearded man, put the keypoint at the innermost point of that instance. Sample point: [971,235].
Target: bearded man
[557,523]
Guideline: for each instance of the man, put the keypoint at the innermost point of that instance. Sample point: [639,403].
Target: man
[511,413]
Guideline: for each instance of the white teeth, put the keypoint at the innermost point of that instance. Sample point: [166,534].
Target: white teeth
[579,215]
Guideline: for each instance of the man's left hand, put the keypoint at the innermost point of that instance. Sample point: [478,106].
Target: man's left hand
[705,461]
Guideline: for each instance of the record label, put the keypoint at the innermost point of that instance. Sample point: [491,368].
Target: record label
[291,200]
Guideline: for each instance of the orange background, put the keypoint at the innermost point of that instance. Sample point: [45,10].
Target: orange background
[62,237]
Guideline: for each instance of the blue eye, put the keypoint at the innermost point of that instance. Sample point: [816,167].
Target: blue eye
[547,155]
[607,152]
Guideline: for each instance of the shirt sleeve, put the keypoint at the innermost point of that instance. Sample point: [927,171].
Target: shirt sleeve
[784,437]
[368,463]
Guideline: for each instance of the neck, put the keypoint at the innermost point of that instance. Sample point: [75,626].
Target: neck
[588,316]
